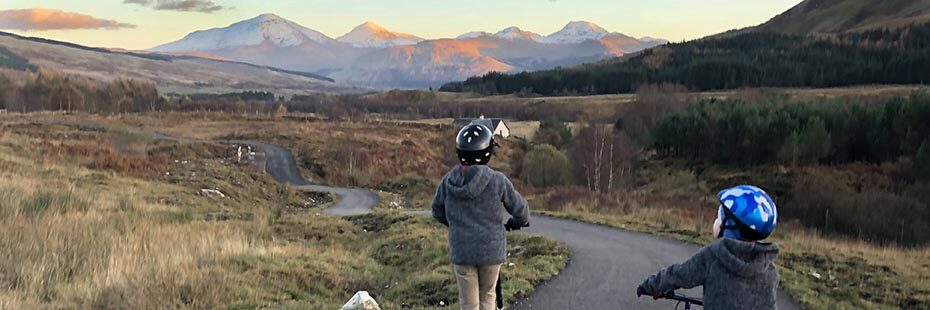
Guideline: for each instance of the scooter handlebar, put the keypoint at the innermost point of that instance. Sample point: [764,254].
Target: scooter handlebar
[671,296]
[511,225]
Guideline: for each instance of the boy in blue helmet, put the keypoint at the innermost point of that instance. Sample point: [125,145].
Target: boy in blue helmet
[736,270]
[469,201]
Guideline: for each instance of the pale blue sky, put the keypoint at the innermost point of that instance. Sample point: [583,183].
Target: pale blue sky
[670,19]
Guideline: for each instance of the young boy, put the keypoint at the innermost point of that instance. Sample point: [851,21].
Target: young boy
[736,270]
[468,201]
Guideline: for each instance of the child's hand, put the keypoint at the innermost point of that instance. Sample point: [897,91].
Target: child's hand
[512,225]
[641,290]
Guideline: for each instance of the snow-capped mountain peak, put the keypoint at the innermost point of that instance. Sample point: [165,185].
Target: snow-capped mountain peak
[576,32]
[268,27]
[651,39]
[372,35]
[473,34]
[513,33]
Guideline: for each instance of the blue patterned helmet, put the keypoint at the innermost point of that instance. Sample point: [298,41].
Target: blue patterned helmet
[747,213]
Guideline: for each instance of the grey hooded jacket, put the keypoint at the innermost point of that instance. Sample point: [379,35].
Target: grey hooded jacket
[735,275]
[469,200]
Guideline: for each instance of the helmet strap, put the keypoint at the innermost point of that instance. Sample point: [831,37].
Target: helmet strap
[745,233]
[733,223]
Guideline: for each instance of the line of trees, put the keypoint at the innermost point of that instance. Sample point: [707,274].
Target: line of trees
[734,132]
[49,90]
[415,104]
[252,103]
[885,202]
[755,59]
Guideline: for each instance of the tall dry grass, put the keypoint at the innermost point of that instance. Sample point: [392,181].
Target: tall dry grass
[69,243]
[103,248]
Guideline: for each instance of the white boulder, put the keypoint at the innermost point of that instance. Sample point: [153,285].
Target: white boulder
[212,193]
[361,301]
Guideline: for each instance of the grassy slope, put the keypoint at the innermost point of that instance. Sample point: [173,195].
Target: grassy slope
[833,16]
[183,75]
[81,227]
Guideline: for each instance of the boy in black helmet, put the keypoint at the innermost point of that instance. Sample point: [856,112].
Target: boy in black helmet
[468,201]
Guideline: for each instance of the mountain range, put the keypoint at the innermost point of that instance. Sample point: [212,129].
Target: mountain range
[373,56]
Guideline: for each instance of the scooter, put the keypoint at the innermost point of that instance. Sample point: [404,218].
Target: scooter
[500,276]
[672,296]
[500,295]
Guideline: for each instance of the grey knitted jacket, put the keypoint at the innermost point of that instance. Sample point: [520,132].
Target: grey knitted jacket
[735,275]
[469,201]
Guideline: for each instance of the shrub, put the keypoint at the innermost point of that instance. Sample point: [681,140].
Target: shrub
[307,160]
[545,166]
[553,132]
[828,204]
[103,157]
[922,161]
[109,159]
[132,142]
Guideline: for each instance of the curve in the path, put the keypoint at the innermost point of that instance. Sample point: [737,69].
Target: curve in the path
[280,164]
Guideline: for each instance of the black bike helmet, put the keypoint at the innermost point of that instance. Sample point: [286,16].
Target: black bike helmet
[475,144]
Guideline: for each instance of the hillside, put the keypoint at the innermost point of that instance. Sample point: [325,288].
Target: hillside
[775,54]
[177,74]
[418,66]
[837,16]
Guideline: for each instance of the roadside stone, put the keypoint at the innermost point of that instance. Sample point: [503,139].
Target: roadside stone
[212,193]
[361,301]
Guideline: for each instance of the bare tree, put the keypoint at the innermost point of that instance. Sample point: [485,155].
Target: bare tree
[603,156]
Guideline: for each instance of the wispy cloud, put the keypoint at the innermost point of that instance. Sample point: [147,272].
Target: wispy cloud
[51,19]
[202,6]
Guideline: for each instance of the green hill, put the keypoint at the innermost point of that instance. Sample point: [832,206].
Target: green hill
[818,43]
[838,16]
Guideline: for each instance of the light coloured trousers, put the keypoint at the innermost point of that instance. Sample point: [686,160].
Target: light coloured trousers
[476,286]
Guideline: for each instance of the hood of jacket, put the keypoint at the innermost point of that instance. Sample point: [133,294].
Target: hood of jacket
[468,182]
[745,259]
